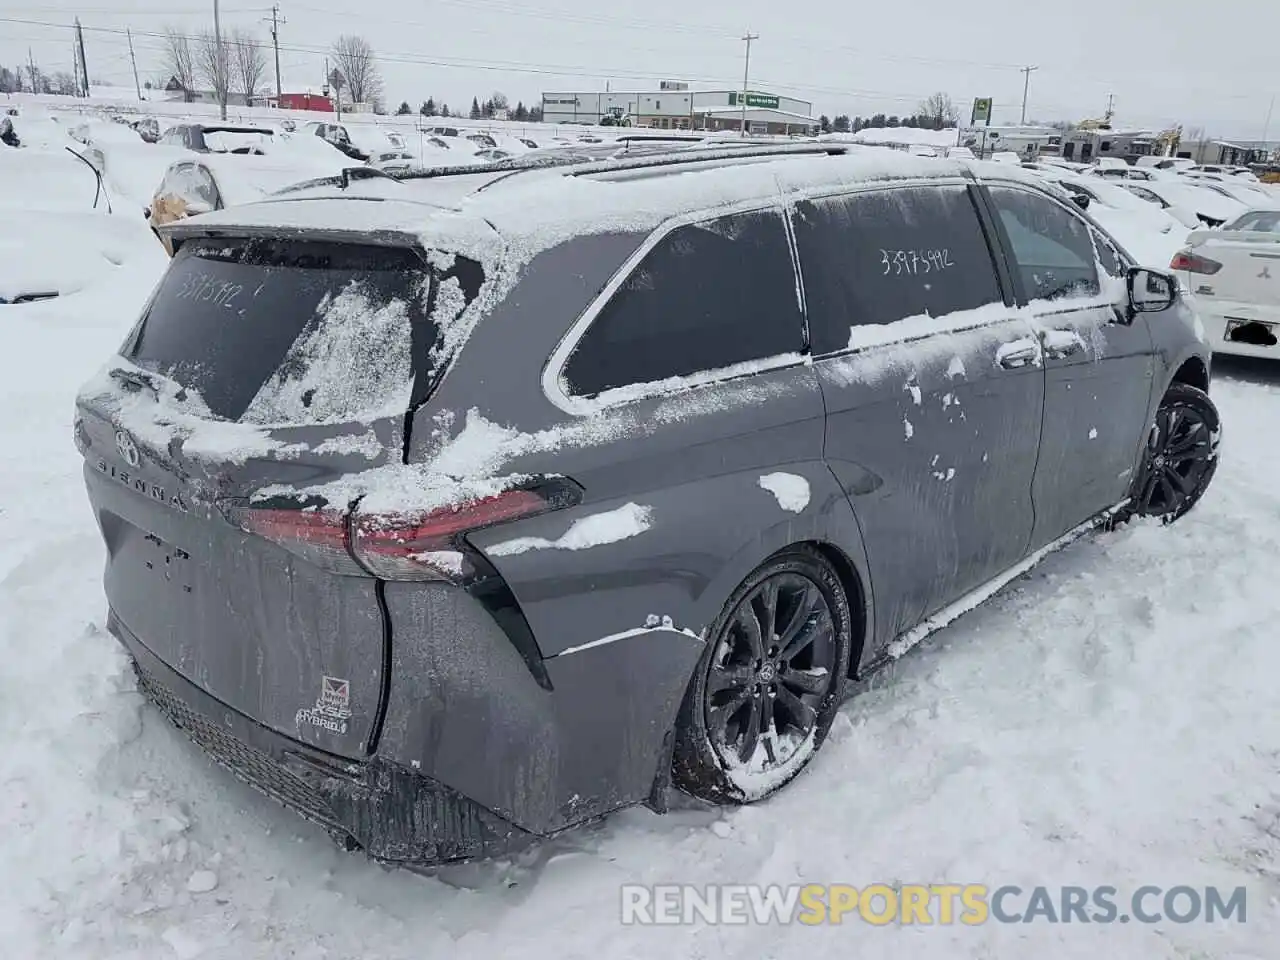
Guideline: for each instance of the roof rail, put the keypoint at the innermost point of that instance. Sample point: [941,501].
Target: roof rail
[686,157]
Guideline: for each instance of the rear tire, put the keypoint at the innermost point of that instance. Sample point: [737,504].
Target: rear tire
[1181,455]
[769,683]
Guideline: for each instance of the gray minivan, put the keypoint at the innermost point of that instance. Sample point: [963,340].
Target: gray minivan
[457,510]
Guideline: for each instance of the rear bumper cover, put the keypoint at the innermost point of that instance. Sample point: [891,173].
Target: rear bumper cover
[1217,315]
[390,811]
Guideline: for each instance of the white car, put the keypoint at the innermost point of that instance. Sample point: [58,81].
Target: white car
[394,161]
[1110,163]
[1183,214]
[1212,208]
[1170,164]
[1232,277]
[1250,194]
[1148,233]
[1127,172]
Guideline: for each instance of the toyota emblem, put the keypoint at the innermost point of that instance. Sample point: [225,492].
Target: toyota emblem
[128,449]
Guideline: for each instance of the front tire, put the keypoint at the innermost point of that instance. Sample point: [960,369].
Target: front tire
[769,684]
[1181,455]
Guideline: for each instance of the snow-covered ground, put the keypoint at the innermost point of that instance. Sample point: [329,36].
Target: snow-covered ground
[1112,718]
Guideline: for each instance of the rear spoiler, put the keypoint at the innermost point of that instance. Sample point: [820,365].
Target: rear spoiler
[1197,237]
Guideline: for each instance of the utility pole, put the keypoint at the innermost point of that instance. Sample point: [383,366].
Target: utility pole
[31,65]
[220,63]
[276,21]
[1026,84]
[1266,127]
[1111,102]
[84,64]
[746,73]
[136,85]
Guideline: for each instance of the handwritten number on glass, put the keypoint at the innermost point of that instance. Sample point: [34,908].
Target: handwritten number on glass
[915,262]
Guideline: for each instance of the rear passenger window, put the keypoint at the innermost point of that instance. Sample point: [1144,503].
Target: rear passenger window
[883,256]
[708,296]
[1051,247]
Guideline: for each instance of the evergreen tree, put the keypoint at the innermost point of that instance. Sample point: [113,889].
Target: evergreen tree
[877,121]
[404,109]
[444,110]
[522,112]
[894,122]
[841,123]
[535,113]
[858,124]
[486,110]
[824,123]
[475,109]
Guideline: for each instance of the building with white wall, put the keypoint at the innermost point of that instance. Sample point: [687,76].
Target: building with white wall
[676,107]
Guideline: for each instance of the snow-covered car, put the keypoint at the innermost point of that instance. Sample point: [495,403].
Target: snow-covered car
[62,231]
[492,154]
[1212,208]
[218,138]
[1233,276]
[148,129]
[1147,232]
[394,161]
[1170,164]
[210,182]
[337,136]
[452,522]
[483,140]
[1250,193]
[1126,172]
[959,153]
[1183,214]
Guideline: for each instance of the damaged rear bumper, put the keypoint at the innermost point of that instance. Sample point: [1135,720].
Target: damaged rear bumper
[390,811]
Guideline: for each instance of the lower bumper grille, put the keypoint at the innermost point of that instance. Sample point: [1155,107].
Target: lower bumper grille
[259,770]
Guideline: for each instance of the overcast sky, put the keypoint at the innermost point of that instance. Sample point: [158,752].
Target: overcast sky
[1165,63]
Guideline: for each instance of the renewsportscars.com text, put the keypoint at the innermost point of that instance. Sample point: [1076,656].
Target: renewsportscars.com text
[969,904]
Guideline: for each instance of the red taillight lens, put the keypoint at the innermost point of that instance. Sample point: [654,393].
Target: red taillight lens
[395,546]
[1193,263]
[317,535]
[425,546]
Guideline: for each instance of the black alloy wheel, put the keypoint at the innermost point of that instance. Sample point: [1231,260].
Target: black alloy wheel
[770,682]
[1181,455]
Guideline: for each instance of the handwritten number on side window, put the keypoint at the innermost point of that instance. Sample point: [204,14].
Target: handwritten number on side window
[915,262]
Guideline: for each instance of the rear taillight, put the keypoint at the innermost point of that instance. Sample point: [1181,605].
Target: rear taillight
[1193,263]
[429,546]
[317,535]
[396,546]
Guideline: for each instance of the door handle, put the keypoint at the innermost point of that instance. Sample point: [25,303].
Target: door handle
[1018,353]
[1059,344]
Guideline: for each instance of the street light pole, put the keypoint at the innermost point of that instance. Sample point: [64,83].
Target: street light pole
[1026,85]
[746,73]
[220,64]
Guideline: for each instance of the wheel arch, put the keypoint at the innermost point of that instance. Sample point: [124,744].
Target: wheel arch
[1194,372]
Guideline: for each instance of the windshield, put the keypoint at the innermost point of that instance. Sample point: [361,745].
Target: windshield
[1258,221]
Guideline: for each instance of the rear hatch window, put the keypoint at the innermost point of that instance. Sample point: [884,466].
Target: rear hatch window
[298,332]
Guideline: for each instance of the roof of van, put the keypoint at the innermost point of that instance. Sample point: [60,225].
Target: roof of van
[541,207]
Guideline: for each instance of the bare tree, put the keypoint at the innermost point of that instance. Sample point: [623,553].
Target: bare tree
[63,84]
[940,110]
[213,59]
[179,61]
[248,63]
[355,58]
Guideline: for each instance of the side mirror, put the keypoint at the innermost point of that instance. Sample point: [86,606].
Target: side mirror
[1150,291]
[1080,200]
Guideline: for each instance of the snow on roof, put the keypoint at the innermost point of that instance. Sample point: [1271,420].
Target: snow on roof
[536,209]
[721,111]
[900,136]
